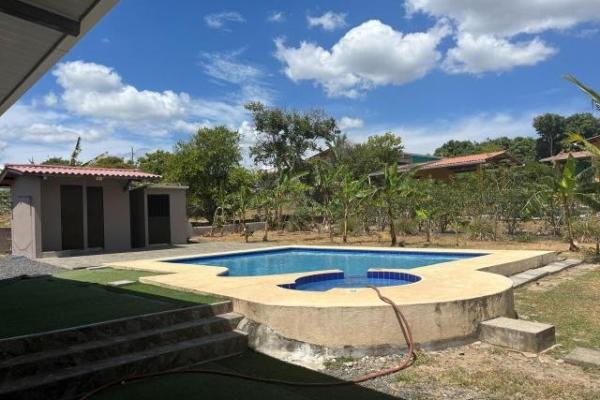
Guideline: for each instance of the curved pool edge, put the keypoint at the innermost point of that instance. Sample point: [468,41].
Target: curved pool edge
[446,305]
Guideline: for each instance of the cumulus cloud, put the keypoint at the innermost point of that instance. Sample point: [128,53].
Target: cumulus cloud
[329,21]
[276,16]
[220,20]
[369,55]
[486,29]
[478,54]
[347,123]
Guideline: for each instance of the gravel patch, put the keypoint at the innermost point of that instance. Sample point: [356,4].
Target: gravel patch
[12,267]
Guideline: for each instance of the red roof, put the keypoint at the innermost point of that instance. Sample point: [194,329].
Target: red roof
[471,159]
[564,156]
[35,169]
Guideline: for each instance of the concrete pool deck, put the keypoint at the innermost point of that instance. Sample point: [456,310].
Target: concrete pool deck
[446,305]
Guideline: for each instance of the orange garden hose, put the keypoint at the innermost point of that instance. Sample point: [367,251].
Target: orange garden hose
[405,362]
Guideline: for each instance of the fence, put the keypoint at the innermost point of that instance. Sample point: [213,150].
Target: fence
[230,228]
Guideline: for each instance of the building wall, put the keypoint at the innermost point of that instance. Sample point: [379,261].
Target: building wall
[26,235]
[177,207]
[116,212]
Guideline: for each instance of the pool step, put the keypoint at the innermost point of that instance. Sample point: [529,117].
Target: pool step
[517,334]
[534,274]
[69,362]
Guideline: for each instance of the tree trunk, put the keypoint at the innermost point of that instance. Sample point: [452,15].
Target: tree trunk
[266,234]
[392,227]
[330,226]
[567,207]
[345,235]
[428,231]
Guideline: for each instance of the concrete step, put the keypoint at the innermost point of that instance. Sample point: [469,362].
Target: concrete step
[517,334]
[78,354]
[584,357]
[68,383]
[537,273]
[59,339]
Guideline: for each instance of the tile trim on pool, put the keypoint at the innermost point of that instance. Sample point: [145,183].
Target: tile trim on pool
[447,304]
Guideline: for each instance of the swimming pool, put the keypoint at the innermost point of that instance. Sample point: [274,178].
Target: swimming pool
[354,264]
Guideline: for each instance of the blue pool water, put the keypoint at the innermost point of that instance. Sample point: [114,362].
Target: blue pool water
[354,263]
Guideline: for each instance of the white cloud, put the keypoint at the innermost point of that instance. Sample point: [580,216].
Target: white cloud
[219,20]
[329,21]
[478,54]
[509,17]
[276,16]
[225,67]
[97,91]
[486,29]
[50,99]
[347,123]
[369,55]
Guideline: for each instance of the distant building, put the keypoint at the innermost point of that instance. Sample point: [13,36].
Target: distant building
[443,169]
[63,208]
[579,155]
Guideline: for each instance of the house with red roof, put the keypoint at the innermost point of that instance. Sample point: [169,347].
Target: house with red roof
[71,209]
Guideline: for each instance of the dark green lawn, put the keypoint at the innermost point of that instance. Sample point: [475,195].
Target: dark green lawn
[216,387]
[80,297]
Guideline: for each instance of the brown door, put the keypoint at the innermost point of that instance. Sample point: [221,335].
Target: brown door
[71,217]
[95,216]
[159,221]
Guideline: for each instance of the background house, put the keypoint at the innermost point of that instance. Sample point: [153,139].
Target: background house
[66,208]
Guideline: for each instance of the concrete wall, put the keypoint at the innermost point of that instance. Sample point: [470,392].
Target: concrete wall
[26,235]
[229,228]
[177,207]
[5,246]
[116,212]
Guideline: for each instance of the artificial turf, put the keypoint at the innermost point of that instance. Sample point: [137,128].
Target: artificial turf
[81,297]
[201,386]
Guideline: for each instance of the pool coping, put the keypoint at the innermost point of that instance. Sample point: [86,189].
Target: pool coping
[470,290]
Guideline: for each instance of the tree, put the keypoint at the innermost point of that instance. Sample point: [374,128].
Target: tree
[455,148]
[374,154]
[584,124]
[156,162]
[348,198]
[204,163]
[112,162]
[551,129]
[76,152]
[285,137]
[325,185]
[396,188]
[56,161]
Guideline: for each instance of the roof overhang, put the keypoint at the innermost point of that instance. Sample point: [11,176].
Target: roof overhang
[35,34]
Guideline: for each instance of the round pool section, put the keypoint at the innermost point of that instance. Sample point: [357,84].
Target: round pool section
[333,280]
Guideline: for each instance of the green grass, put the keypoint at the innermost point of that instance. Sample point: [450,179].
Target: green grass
[572,306]
[200,386]
[103,276]
[80,297]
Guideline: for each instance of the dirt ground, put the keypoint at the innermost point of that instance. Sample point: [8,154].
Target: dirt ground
[383,239]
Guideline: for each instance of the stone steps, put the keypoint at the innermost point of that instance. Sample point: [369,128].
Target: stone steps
[516,334]
[71,356]
[61,338]
[67,363]
[534,274]
[71,382]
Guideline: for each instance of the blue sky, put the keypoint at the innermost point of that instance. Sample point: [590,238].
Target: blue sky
[152,72]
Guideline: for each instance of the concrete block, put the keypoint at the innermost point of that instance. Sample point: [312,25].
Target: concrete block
[120,283]
[517,334]
[584,357]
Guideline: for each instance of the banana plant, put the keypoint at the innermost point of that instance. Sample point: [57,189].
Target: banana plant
[326,183]
[349,198]
[395,190]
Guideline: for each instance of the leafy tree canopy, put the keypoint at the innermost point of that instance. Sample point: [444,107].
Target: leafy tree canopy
[156,162]
[284,137]
[111,162]
[372,155]
[455,148]
[57,161]
[522,148]
[204,163]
